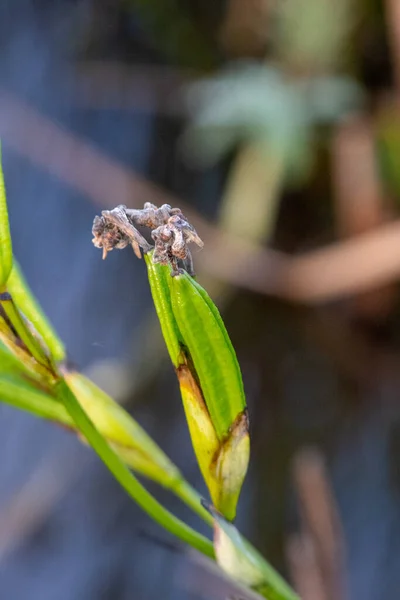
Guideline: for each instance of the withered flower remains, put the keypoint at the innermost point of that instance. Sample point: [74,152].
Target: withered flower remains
[170,231]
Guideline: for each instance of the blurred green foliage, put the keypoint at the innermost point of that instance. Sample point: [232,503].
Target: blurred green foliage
[249,102]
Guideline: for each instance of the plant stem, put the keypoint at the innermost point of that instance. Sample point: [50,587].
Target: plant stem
[183,490]
[34,369]
[258,176]
[32,344]
[128,481]
[29,306]
[20,394]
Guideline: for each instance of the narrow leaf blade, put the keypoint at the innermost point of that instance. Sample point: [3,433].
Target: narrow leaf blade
[27,303]
[6,258]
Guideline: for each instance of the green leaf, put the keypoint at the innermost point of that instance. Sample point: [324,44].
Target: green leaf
[26,333]
[252,103]
[116,425]
[28,305]
[17,392]
[125,435]
[6,257]
[127,480]
[27,362]
[9,363]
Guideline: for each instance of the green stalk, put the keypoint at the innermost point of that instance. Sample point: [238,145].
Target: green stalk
[31,341]
[257,174]
[29,306]
[20,394]
[9,362]
[35,369]
[127,480]
[189,496]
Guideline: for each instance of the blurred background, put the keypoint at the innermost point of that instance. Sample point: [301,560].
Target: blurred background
[275,126]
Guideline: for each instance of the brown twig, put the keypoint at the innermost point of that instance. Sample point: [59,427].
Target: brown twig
[393,26]
[304,568]
[115,86]
[72,158]
[341,270]
[322,538]
[360,203]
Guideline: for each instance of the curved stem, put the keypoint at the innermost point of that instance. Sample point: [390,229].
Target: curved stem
[128,481]
[21,395]
[183,490]
[28,304]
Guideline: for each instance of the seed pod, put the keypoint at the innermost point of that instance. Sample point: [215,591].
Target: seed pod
[213,395]
[210,381]
[201,428]
[211,351]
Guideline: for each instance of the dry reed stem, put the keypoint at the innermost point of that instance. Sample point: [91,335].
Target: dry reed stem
[321,524]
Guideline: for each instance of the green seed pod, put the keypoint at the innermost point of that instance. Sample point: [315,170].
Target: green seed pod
[211,351]
[223,446]
[210,381]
